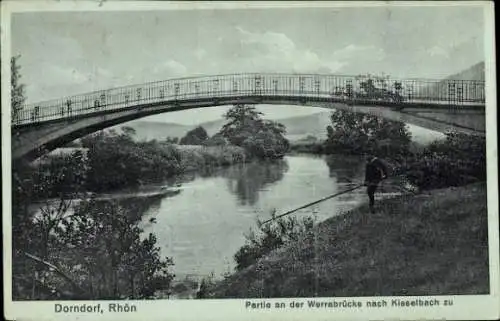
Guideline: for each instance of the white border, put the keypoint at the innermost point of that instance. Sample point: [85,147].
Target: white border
[464,308]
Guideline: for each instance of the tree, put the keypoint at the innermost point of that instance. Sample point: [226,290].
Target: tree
[54,185]
[377,87]
[458,160]
[17,89]
[78,248]
[243,121]
[172,140]
[195,137]
[96,246]
[114,262]
[116,160]
[216,140]
[204,288]
[359,133]
[261,138]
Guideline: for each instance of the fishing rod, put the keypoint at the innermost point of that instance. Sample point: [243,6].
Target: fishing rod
[313,203]
[400,188]
[382,184]
[332,196]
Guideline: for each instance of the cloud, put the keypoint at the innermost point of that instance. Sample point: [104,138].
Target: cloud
[354,52]
[267,42]
[270,52]
[238,50]
[60,80]
[438,51]
[246,51]
[171,68]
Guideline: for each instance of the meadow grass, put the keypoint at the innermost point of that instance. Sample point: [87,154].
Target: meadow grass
[426,244]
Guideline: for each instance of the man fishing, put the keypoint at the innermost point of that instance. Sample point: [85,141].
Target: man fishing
[375,172]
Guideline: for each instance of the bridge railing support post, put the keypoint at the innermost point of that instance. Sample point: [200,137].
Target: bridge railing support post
[304,87]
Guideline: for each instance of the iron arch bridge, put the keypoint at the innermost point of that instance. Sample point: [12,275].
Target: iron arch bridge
[435,104]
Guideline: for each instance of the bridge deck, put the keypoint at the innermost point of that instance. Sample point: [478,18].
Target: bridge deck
[438,94]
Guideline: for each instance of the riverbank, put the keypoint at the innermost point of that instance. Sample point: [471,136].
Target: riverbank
[126,167]
[432,244]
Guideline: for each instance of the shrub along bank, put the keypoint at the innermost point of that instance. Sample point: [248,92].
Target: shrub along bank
[347,255]
[97,247]
[279,253]
[457,160]
[433,244]
[115,161]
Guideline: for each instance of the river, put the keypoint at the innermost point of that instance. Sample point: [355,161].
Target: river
[200,219]
[204,225]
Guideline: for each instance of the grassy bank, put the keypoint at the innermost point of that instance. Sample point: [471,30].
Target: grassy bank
[194,157]
[427,244]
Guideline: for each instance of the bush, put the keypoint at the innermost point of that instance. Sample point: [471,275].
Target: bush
[216,140]
[458,160]
[117,161]
[96,247]
[266,145]
[196,136]
[271,236]
[202,157]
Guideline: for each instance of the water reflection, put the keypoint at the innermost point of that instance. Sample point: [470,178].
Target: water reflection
[203,226]
[247,180]
[345,169]
[136,207]
[200,219]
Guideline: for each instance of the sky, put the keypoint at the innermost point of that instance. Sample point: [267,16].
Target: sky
[66,53]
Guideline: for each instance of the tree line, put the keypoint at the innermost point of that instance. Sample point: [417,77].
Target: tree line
[459,159]
[244,127]
[66,245]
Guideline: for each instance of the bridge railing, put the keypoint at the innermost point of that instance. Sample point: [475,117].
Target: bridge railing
[352,89]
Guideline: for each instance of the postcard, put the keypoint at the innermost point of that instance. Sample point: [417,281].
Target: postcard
[249,160]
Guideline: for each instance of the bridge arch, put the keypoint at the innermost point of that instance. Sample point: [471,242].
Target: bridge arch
[42,127]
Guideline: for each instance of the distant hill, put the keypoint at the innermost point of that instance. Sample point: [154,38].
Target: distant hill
[212,127]
[473,73]
[302,126]
[148,130]
[297,127]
